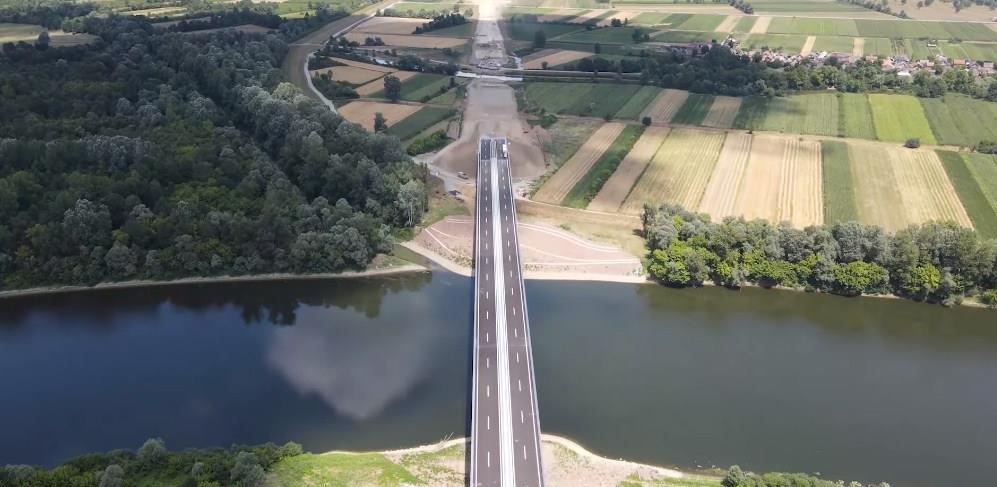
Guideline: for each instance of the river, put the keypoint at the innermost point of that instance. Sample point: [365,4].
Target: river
[865,389]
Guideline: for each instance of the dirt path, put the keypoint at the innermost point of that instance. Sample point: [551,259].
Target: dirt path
[728,24]
[858,46]
[808,46]
[761,25]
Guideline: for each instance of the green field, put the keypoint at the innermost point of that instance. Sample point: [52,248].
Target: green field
[801,114]
[900,117]
[423,86]
[969,50]
[984,170]
[960,120]
[825,27]
[980,210]
[834,44]
[701,22]
[586,189]
[638,102]
[788,43]
[895,29]
[744,24]
[880,46]
[803,7]
[415,123]
[685,37]
[463,30]
[524,31]
[694,110]
[580,98]
[855,116]
[651,18]
[607,35]
[839,189]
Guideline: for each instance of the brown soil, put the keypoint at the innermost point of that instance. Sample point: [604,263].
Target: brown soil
[556,58]
[350,74]
[362,112]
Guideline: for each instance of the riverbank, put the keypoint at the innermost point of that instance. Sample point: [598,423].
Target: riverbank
[394,266]
[442,464]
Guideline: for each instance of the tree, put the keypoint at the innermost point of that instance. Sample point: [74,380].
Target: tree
[112,476]
[412,201]
[646,121]
[247,470]
[597,48]
[912,143]
[392,88]
[539,39]
[43,40]
[152,451]
[543,65]
[637,36]
[380,123]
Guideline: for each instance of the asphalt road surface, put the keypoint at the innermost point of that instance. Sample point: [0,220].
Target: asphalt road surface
[505,431]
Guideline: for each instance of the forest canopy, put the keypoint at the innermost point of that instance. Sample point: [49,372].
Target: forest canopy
[153,154]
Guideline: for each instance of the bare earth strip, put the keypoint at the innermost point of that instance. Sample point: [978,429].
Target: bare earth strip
[558,186]
[362,112]
[761,26]
[618,185]
[808,46]
[782,181]
[663,108]
[410,40]
[389,25]
[721,192]
[728,24]
[858,47]
[539,54]
[378,84]
[925,189]
[621,16]
[556,58]
[679,172]
[722,112]
[350,74]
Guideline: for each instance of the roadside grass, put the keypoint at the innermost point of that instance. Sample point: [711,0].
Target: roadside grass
[855,116]
[586,189]
[587,99]
[694,110]
[632,109]
[340,469]
[979,209]
[900,117]
[413,124]
[960,120]
[839,188]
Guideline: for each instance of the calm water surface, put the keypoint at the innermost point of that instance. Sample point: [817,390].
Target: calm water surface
[864,389]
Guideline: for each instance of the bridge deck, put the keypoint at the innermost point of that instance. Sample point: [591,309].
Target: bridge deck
[505,430]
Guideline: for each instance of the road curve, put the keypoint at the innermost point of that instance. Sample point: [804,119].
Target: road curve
[505,424]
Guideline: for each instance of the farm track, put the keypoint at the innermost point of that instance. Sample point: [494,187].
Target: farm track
[679,171]
[721,192]
[761,25]
[568,175]
[858,46]
[618,186]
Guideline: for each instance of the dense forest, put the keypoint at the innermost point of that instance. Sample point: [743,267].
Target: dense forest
[154,464]
[937,262]
[154,154]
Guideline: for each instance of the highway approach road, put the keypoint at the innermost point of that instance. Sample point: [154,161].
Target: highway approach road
[505,424]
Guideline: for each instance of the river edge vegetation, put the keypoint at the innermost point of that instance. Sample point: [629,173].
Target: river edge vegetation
[270,465]
[157,155]
[935,262]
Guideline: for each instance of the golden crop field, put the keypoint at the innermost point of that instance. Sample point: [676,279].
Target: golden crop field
[782,181]
[558,186]
[721,192]
[679,171]
[618,185]
[663,108]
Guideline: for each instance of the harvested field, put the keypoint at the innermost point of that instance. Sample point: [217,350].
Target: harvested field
[615,190]
[389,25]
[722,112]
[782,181]
[728,24]
[350,74]
[897,187]
[679,171]
[665,105]
[561,183]
[721,192]
[29,33]
[410,40]
[362,112]
[556,58]
[899,117]
[761,26]
[378,84]
[808,46]
[858,47]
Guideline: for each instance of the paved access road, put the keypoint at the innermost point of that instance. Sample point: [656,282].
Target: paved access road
[505,430]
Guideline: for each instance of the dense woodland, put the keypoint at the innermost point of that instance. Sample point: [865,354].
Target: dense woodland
[154,464]
[156,155]
[936,262]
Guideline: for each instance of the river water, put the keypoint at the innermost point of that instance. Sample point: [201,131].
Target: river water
[865,389]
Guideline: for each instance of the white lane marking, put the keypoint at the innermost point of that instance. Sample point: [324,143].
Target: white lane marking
[486,276]
[488,391]
[515,332]
[522,419]
[524,452]
[489,453]
[488,420]
[513,290]
[506,453]
[486,314]
[486,260]
[517,357]
[488,340]
[514,311]
[520,384]
[486,294]
[488,362]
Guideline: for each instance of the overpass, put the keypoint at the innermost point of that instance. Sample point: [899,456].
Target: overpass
[505,424]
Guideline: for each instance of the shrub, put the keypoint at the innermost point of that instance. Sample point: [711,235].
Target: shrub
[913,143]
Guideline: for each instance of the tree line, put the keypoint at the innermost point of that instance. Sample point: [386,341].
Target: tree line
[154,464]
[441,22]
[154,155]
[935,262]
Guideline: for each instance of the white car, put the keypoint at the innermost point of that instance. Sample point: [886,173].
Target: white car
[462,175]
